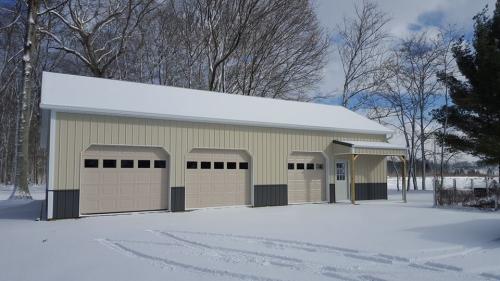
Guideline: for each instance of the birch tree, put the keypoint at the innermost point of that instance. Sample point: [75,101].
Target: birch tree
[23,132]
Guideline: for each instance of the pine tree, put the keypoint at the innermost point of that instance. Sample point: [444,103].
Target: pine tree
[474,116]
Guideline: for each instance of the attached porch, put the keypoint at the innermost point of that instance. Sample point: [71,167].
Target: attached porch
[360,169]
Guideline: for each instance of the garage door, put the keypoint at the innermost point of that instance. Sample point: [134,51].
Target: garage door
[123,179]
[306,178]
[217,178]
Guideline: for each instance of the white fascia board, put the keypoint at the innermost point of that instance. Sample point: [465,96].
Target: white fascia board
[107,112]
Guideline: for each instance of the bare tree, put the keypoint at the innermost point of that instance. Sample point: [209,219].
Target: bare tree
[411,94]
[448,37]
[97,33]
[282,56]
[224,24]
[421,56]
[23,132]
[361,48]
[260,47]
[396,104]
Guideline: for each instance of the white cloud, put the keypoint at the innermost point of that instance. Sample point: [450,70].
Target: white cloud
[403,14]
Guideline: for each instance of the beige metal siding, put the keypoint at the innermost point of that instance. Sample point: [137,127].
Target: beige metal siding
[371,169]
[268,147]
[368,168]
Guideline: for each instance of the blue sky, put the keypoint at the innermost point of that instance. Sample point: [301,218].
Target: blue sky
[408,16]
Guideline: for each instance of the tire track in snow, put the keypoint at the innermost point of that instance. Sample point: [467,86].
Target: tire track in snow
[350,253]
[328,271]
[419,266]
[227,254]
[444,266]
[371,278]
[174,264]
[369,258]
[333,272]
[463,252]
[285,261]
[309,245]
[394,258]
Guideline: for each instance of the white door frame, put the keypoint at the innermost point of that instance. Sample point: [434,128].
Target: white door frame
[346,172]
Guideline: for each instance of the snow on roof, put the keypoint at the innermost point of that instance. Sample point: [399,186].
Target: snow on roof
[372,144]
[70,93]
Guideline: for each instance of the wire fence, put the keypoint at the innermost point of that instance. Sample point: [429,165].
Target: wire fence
[483,193]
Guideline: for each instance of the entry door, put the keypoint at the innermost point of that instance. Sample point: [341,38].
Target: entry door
[341,180]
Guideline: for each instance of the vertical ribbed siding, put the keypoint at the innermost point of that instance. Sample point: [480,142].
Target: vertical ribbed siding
[268,147]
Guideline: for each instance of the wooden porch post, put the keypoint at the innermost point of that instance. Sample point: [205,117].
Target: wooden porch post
[353,180]
[403,159]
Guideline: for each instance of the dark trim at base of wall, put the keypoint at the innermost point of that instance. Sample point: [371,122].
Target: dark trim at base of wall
[371,191]
[270,195]
[66,204]
[332,193]
[178,199]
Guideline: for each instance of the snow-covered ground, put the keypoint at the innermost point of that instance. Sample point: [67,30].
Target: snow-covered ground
[461,182]
[36,191]
[379,240]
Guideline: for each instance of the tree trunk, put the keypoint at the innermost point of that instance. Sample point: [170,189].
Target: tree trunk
[21,186]
[422,145]
[397,173]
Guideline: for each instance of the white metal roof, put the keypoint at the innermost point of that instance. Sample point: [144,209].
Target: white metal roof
[70,93]
[372,144]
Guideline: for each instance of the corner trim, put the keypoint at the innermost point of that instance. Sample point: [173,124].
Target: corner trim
[51,168]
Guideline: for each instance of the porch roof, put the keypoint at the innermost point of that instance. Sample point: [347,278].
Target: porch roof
[369,148]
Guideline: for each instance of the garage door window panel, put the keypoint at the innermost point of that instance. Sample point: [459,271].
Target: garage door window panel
[231,165]
[243,165]
[127,164]
[91,163]
[160,164]
[218,165]
[144,164]
[291,166]
[206,165]
[192,165]
[310,166]
[300,166]
[109,163]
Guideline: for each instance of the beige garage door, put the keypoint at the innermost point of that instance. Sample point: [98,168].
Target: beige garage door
[123,179]
[306,178]
[217,178]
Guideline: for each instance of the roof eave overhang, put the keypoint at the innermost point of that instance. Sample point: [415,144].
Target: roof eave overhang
[99,111]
